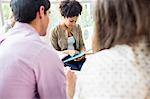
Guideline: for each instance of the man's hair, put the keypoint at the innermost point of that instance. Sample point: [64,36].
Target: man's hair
[25,10]
[70,8]
[122,22]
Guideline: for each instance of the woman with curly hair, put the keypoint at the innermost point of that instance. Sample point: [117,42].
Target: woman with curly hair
[67,36]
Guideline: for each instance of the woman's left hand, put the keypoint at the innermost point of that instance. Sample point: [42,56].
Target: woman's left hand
[71,52]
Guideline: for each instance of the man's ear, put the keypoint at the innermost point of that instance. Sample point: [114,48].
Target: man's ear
[41,12]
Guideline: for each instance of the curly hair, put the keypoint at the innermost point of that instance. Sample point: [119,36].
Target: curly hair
[70,8]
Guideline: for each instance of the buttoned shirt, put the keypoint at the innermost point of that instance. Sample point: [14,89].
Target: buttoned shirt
[29,69]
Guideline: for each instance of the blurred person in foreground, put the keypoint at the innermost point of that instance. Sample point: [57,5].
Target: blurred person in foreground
[120,66]
[29,69]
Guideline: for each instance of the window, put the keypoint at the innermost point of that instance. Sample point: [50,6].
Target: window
[84,19]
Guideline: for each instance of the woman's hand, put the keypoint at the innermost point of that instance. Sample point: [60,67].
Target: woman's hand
[80,58]
[70,52]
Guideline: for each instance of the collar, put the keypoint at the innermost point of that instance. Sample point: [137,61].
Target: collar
[64,27]
[24,26]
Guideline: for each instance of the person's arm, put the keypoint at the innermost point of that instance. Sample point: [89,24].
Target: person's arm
[81,43]
[54,39]
[50,77]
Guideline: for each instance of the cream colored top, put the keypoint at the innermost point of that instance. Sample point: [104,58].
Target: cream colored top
[116,73]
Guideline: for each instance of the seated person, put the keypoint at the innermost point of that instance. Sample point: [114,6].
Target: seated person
[120,66]
[29,69]
[67,36]
[8,25]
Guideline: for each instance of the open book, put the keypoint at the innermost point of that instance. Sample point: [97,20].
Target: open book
[76,56]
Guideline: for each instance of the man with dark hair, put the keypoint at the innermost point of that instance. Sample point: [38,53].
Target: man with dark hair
[29,69]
